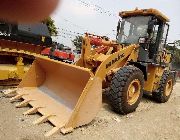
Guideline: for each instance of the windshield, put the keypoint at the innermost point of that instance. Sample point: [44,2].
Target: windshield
[132,28]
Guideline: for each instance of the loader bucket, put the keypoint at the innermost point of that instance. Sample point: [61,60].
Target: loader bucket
[68,96]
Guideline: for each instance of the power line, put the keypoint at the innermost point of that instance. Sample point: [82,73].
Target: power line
[98,8]
[68,34]
[74,24]
[69,31]
[65,36]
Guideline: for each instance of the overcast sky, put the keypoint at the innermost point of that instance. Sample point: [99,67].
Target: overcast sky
[75,16]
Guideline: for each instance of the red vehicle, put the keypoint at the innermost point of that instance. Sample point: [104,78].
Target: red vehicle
[61,55]
[46,51]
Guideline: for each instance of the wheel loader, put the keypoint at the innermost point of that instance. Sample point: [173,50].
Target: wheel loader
[19,43]
[69,96]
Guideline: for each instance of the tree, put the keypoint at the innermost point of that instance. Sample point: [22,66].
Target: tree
[78,42]
[176,53]
[51,26]
[60,46]
[177,43]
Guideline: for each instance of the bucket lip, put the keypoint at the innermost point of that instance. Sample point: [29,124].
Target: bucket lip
[63,63]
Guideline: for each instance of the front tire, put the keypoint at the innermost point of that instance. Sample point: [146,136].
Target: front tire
[126,89]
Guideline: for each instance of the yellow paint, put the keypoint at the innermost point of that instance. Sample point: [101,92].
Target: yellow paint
[90,59]
[43,39]
[9,71]
[20,68]
[144,12]
[154,76]
[134,91]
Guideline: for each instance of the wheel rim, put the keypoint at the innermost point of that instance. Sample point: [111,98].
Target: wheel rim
[169,86]
[133,92]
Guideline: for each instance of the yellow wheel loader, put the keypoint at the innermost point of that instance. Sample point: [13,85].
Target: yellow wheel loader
[70,96]
[15,60]
[19,44]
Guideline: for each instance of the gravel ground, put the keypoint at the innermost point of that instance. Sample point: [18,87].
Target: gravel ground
[151,121]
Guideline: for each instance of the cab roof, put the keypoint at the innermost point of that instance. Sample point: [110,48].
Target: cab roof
[144,12]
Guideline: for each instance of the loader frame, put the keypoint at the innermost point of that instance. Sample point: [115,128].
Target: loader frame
[70,96]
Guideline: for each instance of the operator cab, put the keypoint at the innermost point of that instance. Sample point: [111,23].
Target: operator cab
[148,28]
[37,33]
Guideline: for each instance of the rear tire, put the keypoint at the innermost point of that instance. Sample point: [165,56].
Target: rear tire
[165,88]
[126,90]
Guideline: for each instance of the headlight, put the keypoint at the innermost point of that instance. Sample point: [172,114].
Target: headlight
[142,40]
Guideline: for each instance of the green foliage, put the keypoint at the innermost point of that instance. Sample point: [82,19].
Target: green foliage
[78,42]
[177,42]
[51,26]
[60,46]
[176,53]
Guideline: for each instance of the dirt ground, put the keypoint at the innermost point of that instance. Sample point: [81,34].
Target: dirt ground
[151,121]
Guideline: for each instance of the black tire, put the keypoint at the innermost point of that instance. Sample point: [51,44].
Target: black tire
[160,96]
[118,91]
